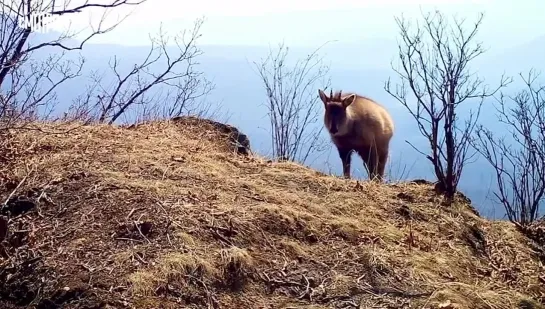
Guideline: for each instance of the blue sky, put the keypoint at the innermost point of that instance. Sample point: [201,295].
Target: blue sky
[308,22]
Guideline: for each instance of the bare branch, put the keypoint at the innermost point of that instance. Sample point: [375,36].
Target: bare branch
[434,68]
[171,70]
[28,84]
[519,157]
[292,102]
[15,45]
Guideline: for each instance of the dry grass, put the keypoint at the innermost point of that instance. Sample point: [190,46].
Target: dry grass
[165,216]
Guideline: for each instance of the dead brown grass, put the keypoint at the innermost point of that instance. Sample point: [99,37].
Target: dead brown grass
[165,216]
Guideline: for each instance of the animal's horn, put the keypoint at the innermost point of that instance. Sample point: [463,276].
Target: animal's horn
[331,93]
[337,95]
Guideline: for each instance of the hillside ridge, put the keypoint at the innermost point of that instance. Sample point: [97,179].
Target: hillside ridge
[173,214]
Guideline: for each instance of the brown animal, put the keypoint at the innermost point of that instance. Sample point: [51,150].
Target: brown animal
[357,123]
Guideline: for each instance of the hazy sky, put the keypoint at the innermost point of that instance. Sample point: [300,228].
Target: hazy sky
[311,22]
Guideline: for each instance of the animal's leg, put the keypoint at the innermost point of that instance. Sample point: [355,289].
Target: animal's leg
[346,156]
[382,159]
[364,154]
[373,164]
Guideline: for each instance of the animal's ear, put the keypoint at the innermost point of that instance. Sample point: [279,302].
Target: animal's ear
[323,96]
[348,100]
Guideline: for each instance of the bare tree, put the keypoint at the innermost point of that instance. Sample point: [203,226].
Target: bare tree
[170,70]
[519,161]
[28,84]
[31,92]
[434,67]
[292,102]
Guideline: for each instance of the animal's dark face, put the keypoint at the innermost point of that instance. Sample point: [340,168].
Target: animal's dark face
[335,117]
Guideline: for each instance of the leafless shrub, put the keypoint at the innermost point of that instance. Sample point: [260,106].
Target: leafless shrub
[28,85]
[434,67]
[173,74]
[292,103]
[519,161]
[31,93]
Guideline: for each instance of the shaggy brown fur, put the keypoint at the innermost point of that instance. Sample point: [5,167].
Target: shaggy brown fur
[357,123]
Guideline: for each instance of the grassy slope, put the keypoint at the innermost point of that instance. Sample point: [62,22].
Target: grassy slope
[232,232]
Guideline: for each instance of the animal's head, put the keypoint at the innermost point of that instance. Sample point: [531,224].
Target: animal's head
[335,116]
